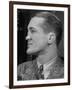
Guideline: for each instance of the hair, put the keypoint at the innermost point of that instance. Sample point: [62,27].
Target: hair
[52,21]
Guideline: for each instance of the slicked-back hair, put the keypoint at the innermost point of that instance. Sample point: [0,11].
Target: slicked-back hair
[52,21]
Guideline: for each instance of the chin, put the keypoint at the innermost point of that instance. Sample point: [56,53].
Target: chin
[32,51]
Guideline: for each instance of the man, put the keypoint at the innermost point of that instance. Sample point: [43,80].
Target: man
[44,35]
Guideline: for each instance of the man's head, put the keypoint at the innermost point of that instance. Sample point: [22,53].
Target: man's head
[44,29]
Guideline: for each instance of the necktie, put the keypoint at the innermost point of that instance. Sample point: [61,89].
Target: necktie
[40,70]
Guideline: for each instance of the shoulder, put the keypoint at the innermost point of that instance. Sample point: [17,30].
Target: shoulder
[59,67]
[57,70]
[22,68]
[24,64]
[60,62]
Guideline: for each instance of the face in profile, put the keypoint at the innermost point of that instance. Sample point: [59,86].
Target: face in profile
[37,39]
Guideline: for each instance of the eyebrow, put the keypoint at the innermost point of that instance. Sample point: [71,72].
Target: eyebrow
[30,28]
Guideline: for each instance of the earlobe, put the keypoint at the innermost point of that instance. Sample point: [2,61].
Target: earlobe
[51,37]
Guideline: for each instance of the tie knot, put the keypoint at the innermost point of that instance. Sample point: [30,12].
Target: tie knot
[41,68]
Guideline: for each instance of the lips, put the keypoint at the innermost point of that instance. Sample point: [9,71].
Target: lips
[29,44]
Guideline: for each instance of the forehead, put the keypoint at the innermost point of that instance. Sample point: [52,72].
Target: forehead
[36,21]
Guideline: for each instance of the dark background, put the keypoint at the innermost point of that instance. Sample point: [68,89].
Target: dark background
[23,18]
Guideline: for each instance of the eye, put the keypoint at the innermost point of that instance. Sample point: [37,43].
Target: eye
[32,31]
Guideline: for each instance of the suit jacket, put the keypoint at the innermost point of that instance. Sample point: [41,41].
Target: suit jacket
[29,70]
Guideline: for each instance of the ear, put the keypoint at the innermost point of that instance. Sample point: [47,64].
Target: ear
[51,37]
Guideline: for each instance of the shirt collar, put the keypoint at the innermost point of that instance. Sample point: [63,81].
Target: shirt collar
[49,63]
[47,66]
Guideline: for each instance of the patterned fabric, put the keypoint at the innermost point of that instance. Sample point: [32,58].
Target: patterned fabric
[29,70]
[40,71]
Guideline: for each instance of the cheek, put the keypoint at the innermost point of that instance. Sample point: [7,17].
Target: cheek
[41,41]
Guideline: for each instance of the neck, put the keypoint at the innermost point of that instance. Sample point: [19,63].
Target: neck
[48,54]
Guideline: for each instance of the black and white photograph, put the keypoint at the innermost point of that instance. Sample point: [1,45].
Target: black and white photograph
[39,44]
[42,46]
